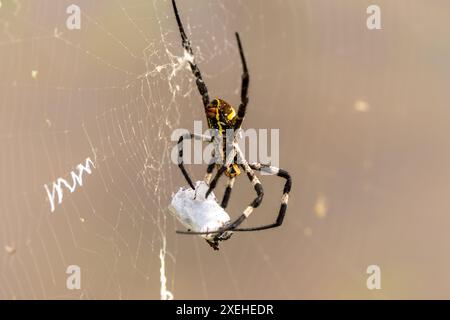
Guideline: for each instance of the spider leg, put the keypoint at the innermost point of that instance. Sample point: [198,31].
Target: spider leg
[213,183]
[284,199]
[228,161]
[180,153]
[195,70]
[244,86]
[229,188]
[209,171]
[254,204]
[227,194]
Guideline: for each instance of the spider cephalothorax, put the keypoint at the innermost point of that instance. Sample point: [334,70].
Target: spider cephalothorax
[222,117]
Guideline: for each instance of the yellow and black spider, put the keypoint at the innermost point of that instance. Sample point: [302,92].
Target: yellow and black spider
[223,118]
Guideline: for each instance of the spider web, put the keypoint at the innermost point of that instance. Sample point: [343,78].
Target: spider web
[112,92]
[115,91]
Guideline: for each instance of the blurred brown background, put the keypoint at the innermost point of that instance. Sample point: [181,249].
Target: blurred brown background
[363,118]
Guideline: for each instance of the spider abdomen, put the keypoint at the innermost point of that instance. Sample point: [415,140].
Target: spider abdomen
[220,115]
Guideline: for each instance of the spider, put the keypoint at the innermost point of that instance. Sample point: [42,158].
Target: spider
[222,118]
